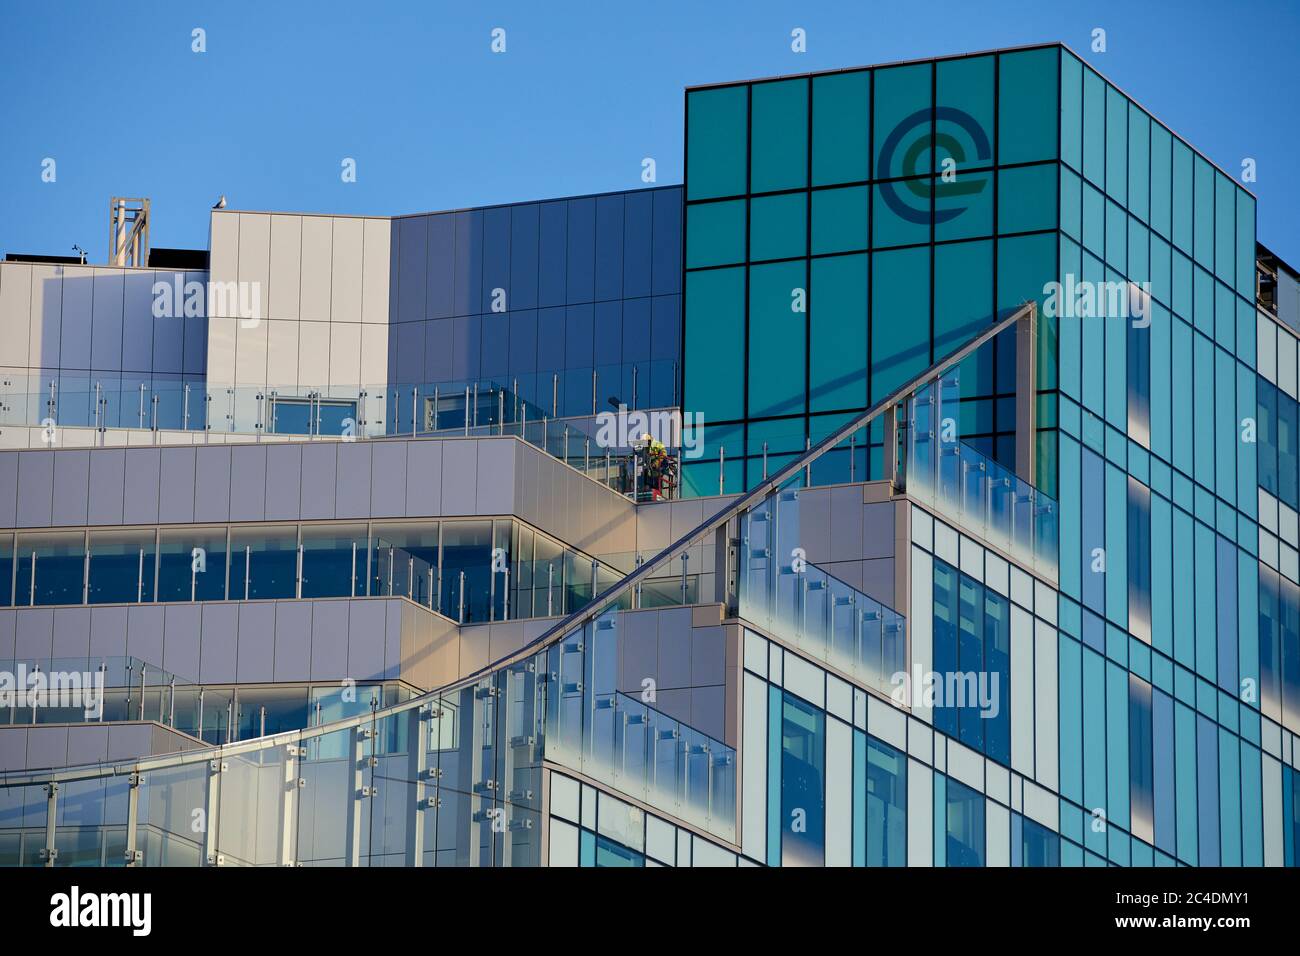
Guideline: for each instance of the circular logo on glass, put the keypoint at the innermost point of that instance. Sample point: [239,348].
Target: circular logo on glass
[900,155]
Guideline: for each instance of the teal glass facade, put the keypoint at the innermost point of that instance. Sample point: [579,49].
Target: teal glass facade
[848,230]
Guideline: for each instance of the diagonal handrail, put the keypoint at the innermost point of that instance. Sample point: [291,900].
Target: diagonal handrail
[597,606]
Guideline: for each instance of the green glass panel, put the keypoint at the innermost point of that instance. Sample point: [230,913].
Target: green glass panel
[839,219]
[900,317]
[1026,267]
[1027,198]
[778,226]
[1116,145]
[963,293]
[1094,127]
[715,233]
[1071,204]
[963,207]
[1139,162]
[777,332]
[1094,220]
[1181,203]
[1028,105]
[1245,245]
[1161,178]
[715,130]
[964,121]
[841,121]
[838,320]
[1071,110]
[903,115]
[1225,227]
[901,214]
[1203,219]
[779,137]
[715,327]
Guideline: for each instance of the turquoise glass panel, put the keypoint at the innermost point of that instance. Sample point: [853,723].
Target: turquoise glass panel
[841,128]
[716,124]
[779,137]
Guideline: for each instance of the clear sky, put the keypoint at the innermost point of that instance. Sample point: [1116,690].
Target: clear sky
[434,119]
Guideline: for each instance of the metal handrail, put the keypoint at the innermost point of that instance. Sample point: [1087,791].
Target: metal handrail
[597,606]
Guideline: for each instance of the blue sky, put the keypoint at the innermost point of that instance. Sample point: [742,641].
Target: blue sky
[435,120]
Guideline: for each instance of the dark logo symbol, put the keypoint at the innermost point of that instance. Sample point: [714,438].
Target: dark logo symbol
[895,193]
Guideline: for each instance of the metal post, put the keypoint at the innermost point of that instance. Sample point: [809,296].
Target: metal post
[354,569]
[415,409]
[476,404]
[430,587]
[143,672]
[153,425]
[607,468]
[586,455]
[852,459]
[212,806]
[99,403]
[807,469]
[288,808]
[171,705]
[142,404]
[132,856]
[555,394]
[437,399]
[722,466]
[139,580]
[49,854]
[416,771]
[297,584]
[357,791]
[685,558]
[460,610]
[594,578]
[390,572]
[505,597]
[200,733]
[636,591]
[85,576]
[466,409]
[248,558]
[566,443]
[501,412]
[765,461]
[634,385]
[185,408]
[550,577]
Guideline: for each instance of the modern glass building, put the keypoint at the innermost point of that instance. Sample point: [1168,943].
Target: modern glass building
[984,549]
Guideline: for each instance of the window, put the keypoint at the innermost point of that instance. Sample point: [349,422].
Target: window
[51,568]
[1140,754]
[264,562]
[121,567]
[334,561]
[1139,559]
[964,836]
[192,564]
[886,811]
[803,777]
[715,233]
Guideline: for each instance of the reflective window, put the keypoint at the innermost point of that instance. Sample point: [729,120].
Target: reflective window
[264,562]
[121,567]
[403,560]
[333,560]
[51,567]
[192,564]
[803,780]
[964,817]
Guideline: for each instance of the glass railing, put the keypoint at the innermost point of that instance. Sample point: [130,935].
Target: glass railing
[831,621]
[597,434]
[190,403]
[60,690]
[453,777]
[981,496]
